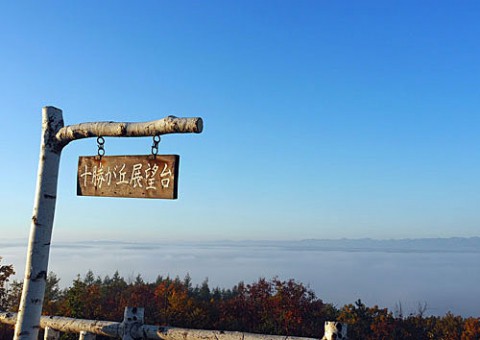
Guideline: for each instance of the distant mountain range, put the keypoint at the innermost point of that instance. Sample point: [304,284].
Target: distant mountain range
[419,245]
[453,244]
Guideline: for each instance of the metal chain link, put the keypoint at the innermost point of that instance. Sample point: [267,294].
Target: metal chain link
[100,144]
[156,141]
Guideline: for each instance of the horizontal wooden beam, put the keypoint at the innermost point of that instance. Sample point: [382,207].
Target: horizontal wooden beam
[167,125]
[115,329]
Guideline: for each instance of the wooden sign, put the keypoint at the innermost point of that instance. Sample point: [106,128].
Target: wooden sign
[128,176]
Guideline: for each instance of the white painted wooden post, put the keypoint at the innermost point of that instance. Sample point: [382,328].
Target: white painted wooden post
[55,136]
[335,330]
[86,336]
[41,227]
[51,334]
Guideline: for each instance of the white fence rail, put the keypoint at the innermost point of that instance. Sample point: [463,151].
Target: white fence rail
[132,327]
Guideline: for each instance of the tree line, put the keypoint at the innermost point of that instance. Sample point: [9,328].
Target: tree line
[274,306]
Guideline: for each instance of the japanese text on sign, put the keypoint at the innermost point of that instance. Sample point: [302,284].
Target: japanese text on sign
[128,176]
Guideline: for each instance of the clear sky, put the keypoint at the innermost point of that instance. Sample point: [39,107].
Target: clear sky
[322,119]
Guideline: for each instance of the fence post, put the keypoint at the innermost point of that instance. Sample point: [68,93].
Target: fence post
[86,336]
[132,322]
[335,330]
[51,334]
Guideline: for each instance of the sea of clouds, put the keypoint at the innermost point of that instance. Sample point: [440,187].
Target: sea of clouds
[442,274]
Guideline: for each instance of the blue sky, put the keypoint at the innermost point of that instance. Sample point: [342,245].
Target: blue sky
[322,119]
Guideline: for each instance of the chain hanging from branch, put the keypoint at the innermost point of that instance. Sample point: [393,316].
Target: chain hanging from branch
[100,145]
[156,141]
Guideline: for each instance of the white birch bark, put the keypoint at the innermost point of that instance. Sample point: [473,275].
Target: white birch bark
[163,126]
[54,138]
[118,330]
[335,330]
[33,292]
[51,334]
[171,333]
[86,336]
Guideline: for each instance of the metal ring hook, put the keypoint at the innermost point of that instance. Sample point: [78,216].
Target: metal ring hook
[156,141]
[100,144]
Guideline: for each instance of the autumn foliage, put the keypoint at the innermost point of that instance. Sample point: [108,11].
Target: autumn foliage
[267,306]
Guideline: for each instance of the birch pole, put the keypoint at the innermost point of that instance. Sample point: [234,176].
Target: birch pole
[34,282]
[55,136]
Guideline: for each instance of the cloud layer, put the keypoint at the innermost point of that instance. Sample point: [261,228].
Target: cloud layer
[441,272]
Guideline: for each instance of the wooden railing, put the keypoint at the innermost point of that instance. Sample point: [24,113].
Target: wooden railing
[132,327]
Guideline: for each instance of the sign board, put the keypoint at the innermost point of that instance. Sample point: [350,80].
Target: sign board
[140,176]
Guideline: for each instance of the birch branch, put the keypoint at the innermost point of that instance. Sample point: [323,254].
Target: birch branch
[115,329]
[70,325]
[170,124]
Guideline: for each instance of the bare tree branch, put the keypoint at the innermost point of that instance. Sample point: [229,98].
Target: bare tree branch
[162,126]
